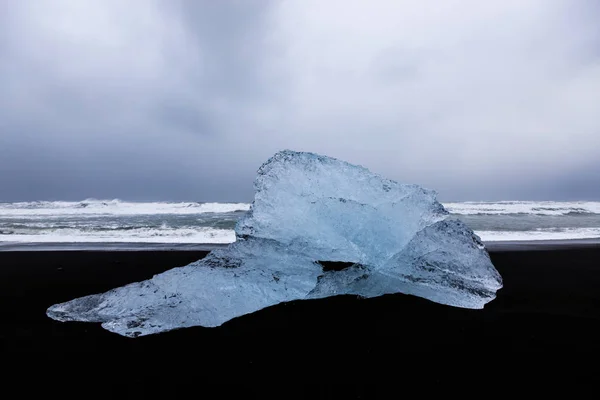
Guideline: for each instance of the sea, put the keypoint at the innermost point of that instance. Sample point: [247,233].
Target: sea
[115,223]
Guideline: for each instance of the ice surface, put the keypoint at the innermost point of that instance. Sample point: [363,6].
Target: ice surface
[308,209]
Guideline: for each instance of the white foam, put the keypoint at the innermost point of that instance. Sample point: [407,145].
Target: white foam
[540,234]
[112,207]
[200,235]
[37,221]
[524,207]
[116,207]
[224,236]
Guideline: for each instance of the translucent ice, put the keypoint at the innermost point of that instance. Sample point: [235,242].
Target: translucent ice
[308,209]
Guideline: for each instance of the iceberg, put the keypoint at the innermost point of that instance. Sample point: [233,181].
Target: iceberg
[309,210]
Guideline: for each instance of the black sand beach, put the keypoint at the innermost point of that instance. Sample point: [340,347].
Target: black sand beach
[550,303]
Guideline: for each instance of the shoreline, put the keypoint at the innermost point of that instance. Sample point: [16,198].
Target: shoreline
[107,246]
[491,246]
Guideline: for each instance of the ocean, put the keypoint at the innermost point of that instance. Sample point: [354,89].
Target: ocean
[136,224]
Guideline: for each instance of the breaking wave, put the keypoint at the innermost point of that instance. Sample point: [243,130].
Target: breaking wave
[548,208]
[540,234]
[114,207]
[201,235]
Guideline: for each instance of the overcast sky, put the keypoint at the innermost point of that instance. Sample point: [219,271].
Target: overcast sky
[184,99]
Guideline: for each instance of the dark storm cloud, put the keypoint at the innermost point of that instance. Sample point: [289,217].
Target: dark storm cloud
[86,115]
[182,100]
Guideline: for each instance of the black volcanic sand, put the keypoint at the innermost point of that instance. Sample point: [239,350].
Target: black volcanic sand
[550,303]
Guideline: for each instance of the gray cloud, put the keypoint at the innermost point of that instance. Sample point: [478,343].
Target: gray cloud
[182,100]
